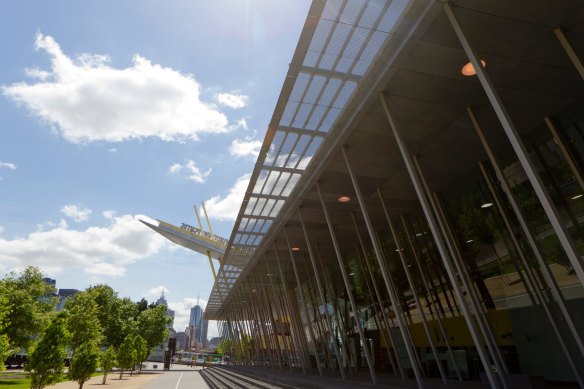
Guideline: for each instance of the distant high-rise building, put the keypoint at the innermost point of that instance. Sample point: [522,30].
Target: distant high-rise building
[169,312]
[199,326]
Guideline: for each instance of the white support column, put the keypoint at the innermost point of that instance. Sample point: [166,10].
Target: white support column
[309,325]
[570,51]
[385,273]
[381,307]
[299,339]
[545,270]
[402,258]
[433,224]
[322,298]
[347,287]
[520,149]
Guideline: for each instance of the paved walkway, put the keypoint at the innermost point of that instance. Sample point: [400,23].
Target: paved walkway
[179,377]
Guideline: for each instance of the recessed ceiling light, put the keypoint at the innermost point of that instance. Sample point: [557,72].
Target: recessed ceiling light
[487,205]
[577,197]
[470,241]
[295,248]
[469,70]
[344,199]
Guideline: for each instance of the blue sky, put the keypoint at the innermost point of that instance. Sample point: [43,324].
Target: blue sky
[111,111]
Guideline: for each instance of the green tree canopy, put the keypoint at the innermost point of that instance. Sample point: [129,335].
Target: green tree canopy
[84,362]
[47,359]
[126,354]
[152,325]
[107,361]
[26,306]
[82,320]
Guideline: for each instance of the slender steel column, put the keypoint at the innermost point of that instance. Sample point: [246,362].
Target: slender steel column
[433,224]
[299,338]
[412,287]
[268,313]
[520,149]
[545,271]
[320,331]
[279,313]
[386,331]
[347,286]
[460,266]
[330,290]
[564,150]
[321,294]
[429,295]
[310,329]
[570,51]
[385,273]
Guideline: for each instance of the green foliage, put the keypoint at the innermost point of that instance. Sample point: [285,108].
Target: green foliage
[84,362]
[107,360]
[25,307]
[141,349]
[141,306]
[5,350]
[82,321]
[152,325]
[115,315]
[46,361]
[126,354]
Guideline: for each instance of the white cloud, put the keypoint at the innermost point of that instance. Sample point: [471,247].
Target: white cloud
[1,229]
[85,99]
[74,212]
[157,291]
[113,150]
[233,100]
[96,250]
[227,208]
[245,148]
[195,172]
[7,165]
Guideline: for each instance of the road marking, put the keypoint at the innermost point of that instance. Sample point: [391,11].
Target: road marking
[178,382]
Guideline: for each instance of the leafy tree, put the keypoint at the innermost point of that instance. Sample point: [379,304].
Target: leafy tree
[126,354]
[47,359]
[152,326]
[142,305]
[5,350]
[141,349]
[108,313]
[84,362]
[83,323]
[26,306]
[107,361]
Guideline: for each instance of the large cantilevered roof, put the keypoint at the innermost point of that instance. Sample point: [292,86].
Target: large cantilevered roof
[350,52]
[340,42]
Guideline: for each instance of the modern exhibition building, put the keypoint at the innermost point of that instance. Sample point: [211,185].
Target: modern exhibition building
[416,206]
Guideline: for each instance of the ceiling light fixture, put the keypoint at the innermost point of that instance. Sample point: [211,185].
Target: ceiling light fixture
[469,70]
[470,241]
[344,199]
[295,248]
[487,205]
[577,196]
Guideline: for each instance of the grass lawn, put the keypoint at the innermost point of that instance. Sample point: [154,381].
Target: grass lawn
[16,380]
[19,380]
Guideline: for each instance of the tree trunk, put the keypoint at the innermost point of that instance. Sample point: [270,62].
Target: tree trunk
[81,384]
[104,377]
[121,371]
